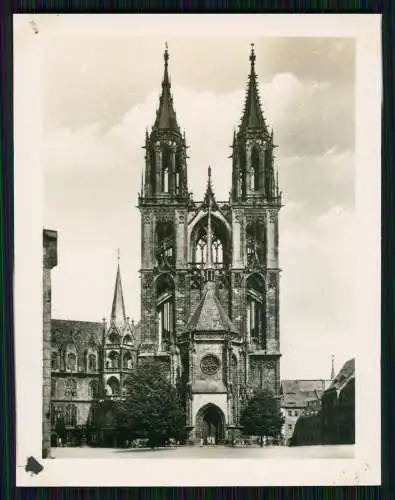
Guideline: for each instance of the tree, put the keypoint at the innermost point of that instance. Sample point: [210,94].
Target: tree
[152,409]
[262,416]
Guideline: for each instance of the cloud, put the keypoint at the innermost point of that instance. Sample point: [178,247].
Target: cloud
[209,119]
[317,256]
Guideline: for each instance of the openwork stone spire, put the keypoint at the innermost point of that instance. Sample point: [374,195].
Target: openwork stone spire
[166,116]
[252,114]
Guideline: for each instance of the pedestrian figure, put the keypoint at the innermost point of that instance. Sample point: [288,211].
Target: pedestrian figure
[201,442]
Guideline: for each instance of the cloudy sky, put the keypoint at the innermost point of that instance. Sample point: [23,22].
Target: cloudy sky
[100,95]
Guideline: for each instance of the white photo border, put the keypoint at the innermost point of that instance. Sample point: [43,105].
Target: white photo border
[364,468]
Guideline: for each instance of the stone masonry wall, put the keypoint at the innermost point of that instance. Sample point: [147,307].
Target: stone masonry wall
[49,261]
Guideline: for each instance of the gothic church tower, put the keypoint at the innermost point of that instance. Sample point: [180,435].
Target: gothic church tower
[209,269]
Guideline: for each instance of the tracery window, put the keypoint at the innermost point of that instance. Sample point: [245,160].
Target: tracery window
[255,169]
[114,337]
[70,390]
[217,251]
[71,361]
[91,362]
[55,361]
[201,248]
[113,386]
[128,361]
[114,359]
[256,311]
[71,415]
[256,243]
[165,239]
[166,168]
[165,308]
[53,388]
[93,389]
[127,340]
[242,163]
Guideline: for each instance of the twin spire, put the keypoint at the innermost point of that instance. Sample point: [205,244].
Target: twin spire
[252,114]
[166,116]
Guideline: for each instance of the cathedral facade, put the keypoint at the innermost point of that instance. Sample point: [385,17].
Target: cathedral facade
[210,282]
[209,272]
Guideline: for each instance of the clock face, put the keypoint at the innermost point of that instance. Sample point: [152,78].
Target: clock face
[210,364]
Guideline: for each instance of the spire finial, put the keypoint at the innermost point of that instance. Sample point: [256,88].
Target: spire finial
[252,55]
[118,254]
[166,54]
[333,367]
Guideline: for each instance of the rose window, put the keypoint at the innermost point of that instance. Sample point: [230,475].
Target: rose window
[209,364]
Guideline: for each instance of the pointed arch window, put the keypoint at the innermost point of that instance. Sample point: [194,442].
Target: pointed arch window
[166,168]
[55,361]
[217,251]
[92,362]
[179,161]
[70,390]
[256,243]
[256,311]
[127,340]
[269,172]
[114,338]
[93,390]
[201,250]
[53,388]
[152,159]
[165,238]
[114,359]
[71,415]
[165,309]
[127,362]
[113,387]
[71,362]
[220,243]
[242,163]
[255,168]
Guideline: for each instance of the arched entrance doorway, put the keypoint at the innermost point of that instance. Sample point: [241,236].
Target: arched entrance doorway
[210,422]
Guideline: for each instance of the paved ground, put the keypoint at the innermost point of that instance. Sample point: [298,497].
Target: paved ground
[275,452]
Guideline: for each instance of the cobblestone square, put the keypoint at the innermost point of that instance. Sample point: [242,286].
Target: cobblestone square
[273,452]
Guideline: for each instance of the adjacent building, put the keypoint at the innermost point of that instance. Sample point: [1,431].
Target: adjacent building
[330,420]
[299,397]
[89,363]
[338,408]
[50,260]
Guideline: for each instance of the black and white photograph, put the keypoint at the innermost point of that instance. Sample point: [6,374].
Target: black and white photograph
[197,249]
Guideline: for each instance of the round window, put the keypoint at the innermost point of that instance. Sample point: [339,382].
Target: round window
[209,364]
